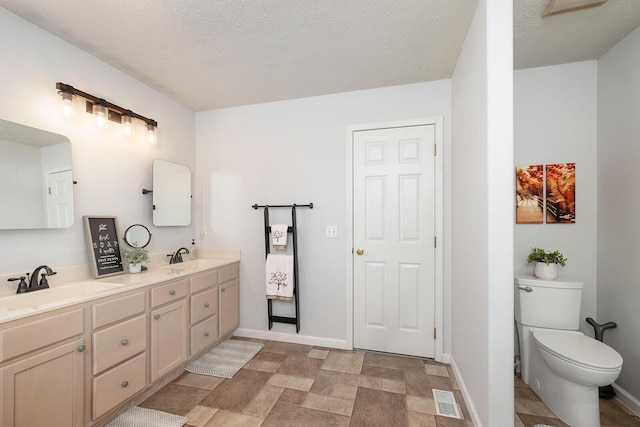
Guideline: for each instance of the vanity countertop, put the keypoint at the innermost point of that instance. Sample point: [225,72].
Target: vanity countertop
[18,306]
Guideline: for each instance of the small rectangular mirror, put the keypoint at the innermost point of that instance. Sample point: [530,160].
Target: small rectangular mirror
[171,194]
[37,178]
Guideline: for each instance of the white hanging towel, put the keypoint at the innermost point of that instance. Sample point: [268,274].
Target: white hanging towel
[279,236]
[279,269]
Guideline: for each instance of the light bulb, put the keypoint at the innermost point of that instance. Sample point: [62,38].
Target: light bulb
[151,133]
[127,122]
[101,112]
[67,103]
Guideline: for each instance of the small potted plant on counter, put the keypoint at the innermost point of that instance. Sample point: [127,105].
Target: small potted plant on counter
[135,256]
[546,267]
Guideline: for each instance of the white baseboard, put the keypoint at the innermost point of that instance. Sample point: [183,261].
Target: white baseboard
[292,338]
[625,397]
[465,394]
[446,358]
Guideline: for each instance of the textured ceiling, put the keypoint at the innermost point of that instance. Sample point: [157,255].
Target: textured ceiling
[569,37]
[210,54]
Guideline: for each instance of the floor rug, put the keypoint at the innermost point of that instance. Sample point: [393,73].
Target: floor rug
[225,359]
[143,417]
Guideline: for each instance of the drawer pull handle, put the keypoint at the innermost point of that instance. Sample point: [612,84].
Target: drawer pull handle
[82,348]
[206,304]
[125,383]
[125,341]
[157,316]
[172,292]
[206,334]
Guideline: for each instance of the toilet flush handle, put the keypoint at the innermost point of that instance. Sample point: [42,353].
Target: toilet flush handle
[525,288]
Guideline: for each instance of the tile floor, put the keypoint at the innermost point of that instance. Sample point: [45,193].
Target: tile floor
[530,411]
[301,385]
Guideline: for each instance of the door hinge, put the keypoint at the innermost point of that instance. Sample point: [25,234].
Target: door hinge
[435,241]
[435,150]
[434,333]
[49,190]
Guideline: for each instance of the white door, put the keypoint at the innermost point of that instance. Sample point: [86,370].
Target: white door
[393,235]
[60,199]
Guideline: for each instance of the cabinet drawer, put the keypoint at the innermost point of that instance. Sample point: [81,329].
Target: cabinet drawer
[119,342]
[204,334]
[40,333]
[119,384]
[204,305]
[229,272]
[117,309]
[169,292]
[204,281]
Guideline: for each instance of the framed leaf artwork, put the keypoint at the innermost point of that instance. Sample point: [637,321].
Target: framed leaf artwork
[530,194]
[561,193]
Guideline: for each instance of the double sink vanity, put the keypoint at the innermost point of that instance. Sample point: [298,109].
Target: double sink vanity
[101,346]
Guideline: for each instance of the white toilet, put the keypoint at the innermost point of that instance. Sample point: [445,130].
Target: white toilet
[563,366]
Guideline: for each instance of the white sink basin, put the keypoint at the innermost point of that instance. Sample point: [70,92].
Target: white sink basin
[52,297]
[189,265]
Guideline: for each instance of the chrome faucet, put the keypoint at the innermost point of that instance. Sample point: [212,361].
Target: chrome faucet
[177,256]
[33,284]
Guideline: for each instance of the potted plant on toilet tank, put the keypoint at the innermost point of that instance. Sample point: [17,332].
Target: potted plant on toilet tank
[135,256]
[546,267]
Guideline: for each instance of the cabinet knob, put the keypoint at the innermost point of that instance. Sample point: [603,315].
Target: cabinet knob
[125,383]
[172,292]
[223,289]
[82,348]
[206,334]
[206,304]
[125,341]
[157,316]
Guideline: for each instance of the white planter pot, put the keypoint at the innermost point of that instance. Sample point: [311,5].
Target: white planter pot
[135,268]
[546,271]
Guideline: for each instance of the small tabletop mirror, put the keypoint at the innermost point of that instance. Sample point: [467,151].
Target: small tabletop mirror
[137,235]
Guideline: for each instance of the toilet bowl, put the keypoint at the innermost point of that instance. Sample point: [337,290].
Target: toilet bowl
[567,368]
[561,365]
[578,358]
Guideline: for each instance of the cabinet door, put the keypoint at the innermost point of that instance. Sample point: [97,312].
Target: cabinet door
[46,389]
[168,338]
[229,307]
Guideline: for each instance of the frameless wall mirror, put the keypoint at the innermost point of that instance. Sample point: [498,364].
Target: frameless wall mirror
[37,179]
[171,194]
[137,235]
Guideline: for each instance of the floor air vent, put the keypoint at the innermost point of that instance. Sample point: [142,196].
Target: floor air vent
[446,403]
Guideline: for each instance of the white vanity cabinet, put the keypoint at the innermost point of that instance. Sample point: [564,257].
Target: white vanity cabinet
[83,364]
[168,319]
[42,363]
[119,344]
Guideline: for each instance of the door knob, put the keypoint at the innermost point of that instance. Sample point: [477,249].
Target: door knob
[359,251]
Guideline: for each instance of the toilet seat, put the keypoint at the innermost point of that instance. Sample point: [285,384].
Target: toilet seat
[579,349]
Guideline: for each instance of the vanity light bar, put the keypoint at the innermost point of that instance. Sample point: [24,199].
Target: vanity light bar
[114,112]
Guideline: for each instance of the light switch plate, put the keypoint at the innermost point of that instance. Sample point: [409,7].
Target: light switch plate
[331,231]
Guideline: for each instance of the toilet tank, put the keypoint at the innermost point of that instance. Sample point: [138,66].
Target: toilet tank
[552,304]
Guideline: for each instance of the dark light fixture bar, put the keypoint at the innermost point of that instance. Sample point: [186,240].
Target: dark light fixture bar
[115,112]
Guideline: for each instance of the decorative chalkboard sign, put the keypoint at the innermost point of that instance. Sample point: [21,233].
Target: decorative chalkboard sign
[104,245]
